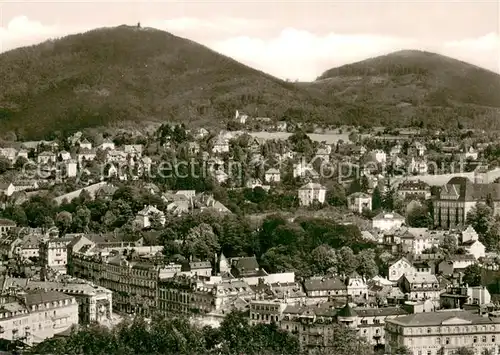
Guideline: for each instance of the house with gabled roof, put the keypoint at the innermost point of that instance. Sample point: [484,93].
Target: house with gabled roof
[272,175]
[85,144]
[220,176]
[421,286]
[414,189]
[245,267]
[107,144]
[401,267]
[86,155]
[325,287]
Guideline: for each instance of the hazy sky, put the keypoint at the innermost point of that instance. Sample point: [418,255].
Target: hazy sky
[289,39]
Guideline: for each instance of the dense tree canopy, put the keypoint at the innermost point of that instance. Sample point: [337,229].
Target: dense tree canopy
[174,336]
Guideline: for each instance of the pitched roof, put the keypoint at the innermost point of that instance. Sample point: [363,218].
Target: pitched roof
[466,190]
[413,185]
[324,284]
[438,318]
[421,278]
[246,263]
[347,312]
[380,312]
[465,257]
[38,297]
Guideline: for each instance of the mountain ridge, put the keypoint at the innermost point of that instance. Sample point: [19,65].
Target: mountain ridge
[127,74]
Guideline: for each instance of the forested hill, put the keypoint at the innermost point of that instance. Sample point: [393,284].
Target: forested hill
[416,87]
[128,74]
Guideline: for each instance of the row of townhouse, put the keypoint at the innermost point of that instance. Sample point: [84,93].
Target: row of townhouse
[315,324]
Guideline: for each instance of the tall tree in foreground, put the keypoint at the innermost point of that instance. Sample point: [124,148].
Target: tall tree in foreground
[472,275]
[346,342]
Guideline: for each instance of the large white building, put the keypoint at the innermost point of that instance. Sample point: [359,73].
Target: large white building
[400,268]
[94,302]
[37,315]
[310,193]
[443,332]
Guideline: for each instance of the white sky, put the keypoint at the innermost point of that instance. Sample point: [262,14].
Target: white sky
[288,39]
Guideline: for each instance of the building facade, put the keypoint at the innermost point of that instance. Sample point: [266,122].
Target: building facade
[35,316]
[310,193]
[458,197]
[54,254]
[442,333]
[359,202]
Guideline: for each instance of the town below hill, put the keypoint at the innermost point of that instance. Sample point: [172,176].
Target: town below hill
[378,241]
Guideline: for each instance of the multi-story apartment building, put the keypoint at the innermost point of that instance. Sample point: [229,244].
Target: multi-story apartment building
[315,324]
[442,333]
[266,311]
[414,189]
[421,286]
[133,282]
[310,193]
[35,316]
[190,295]
[357,289]
[54,253]
[457,198]
[371,322]
[94,302]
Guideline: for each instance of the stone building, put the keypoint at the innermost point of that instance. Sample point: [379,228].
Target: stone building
[37,315]
[459,196]
[94,302]
[443,333]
